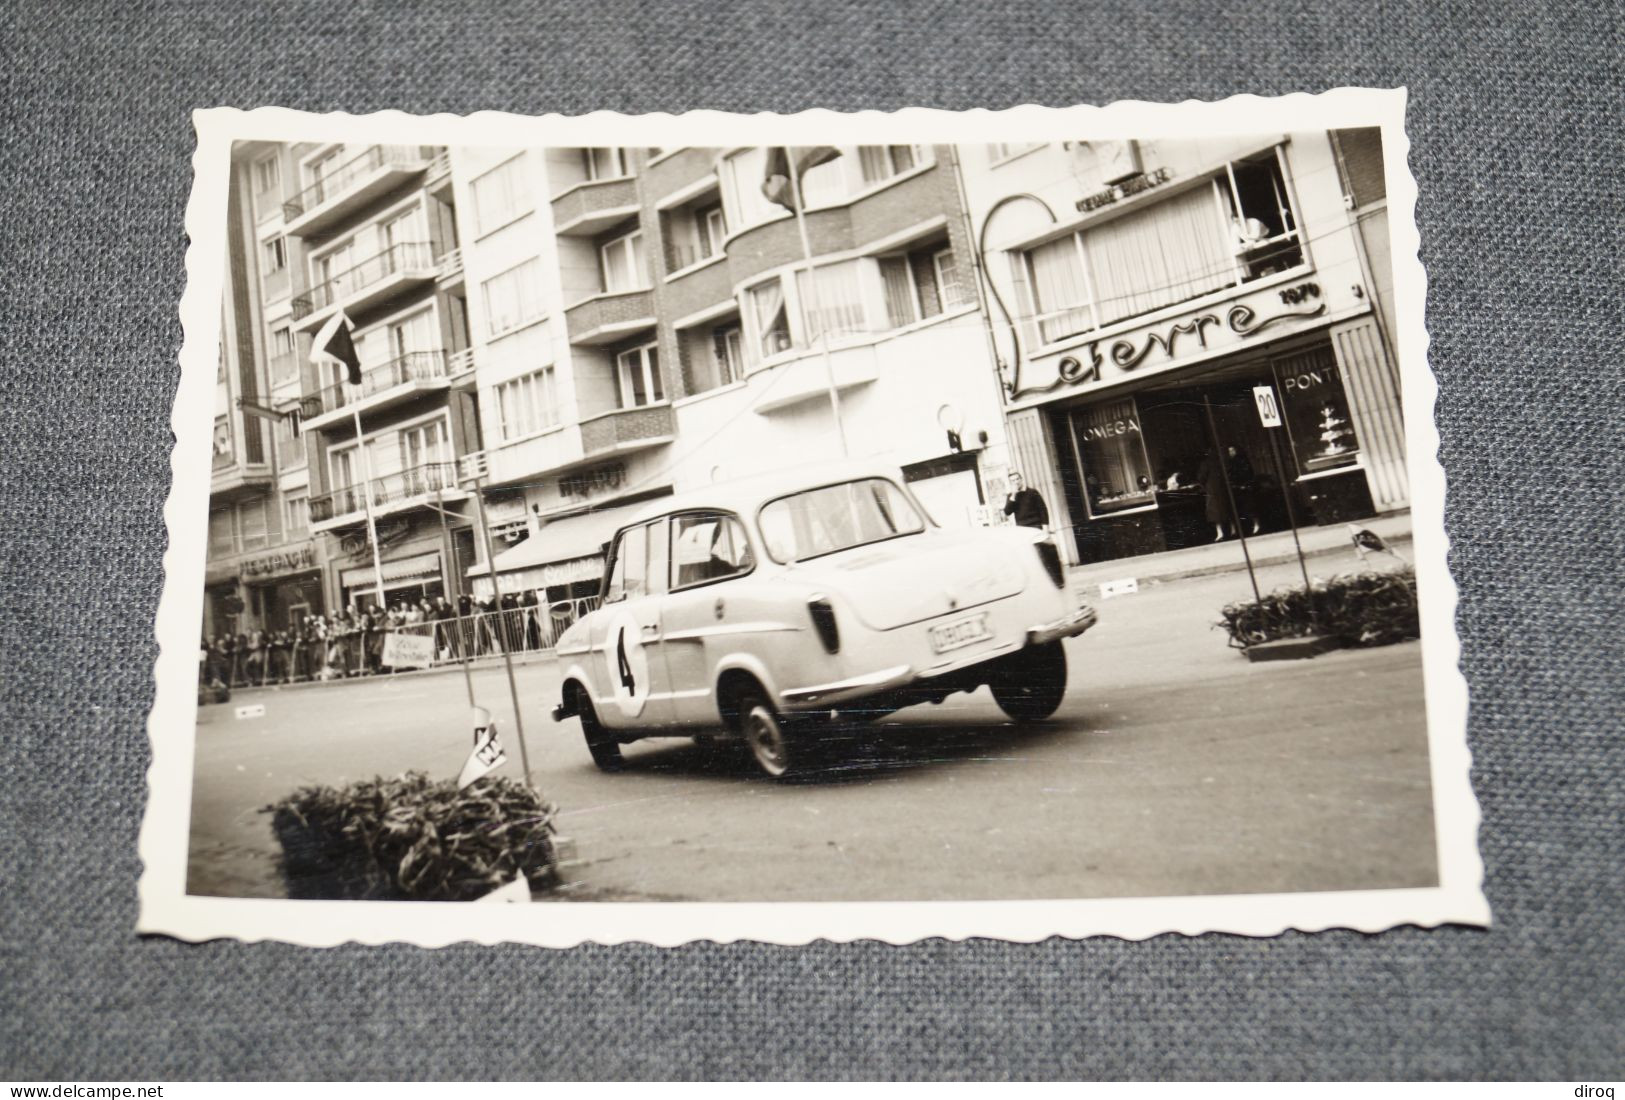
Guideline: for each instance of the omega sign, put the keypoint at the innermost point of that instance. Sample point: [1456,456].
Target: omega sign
[1132,349]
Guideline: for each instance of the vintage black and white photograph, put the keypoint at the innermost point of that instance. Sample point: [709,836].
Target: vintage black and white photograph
[1008,524]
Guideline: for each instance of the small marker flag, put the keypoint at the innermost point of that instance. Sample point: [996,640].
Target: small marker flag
[487,756]
[517,892]
[335,343]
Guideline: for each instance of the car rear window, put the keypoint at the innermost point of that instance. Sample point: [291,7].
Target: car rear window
[837,517]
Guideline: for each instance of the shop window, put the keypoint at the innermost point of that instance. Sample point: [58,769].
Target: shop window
[1111,450]
[1315,407]
[708,548]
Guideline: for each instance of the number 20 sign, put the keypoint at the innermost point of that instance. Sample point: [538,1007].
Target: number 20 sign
[1269,413]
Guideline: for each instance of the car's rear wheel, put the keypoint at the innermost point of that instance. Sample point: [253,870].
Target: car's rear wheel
[771,746]
[1031,685]
[602,743]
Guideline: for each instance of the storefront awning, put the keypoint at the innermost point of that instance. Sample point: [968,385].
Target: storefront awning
[420,565]
[563,540]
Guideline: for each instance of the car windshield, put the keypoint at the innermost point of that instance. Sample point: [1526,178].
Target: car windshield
[837,517]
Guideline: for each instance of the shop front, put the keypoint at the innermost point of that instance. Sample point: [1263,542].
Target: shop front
[269,591]
[1153,439]
[414,557]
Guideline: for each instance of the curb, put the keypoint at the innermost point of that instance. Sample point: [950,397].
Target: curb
[1215,570]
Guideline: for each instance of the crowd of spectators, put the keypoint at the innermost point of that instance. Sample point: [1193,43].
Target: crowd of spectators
[351,642]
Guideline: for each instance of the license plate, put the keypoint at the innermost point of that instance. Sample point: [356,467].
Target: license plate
[960,633]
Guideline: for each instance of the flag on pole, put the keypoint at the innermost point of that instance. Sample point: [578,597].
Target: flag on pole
[335,343]
[487,756]
[776,179]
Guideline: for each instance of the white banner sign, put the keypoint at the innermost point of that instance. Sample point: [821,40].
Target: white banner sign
[408,650]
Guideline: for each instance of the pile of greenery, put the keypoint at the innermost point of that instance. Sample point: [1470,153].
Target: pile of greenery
[413,838]
[1360,609]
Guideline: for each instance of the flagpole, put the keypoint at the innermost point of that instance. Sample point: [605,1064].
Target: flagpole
[372,523]
[812,295]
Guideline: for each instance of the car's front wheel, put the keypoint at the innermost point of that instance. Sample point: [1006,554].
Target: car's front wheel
[771,746]
[602,743]
[1030,685]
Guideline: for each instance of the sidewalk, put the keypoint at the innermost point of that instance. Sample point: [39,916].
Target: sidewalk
[1226,557]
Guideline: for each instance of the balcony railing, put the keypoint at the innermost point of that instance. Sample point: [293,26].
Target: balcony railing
[451,263]
[408,256]
[627,427]
[387,491]
[459,362]
[414,366]
[347,174]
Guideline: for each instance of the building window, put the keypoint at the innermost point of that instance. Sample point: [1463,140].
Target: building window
[290,447]
[267,175]
[222,532]
[251,524]
[273,256]
[770,317]
[637,376]
[297,510]
[921,283]
[512,298]
[222,442]
[742,175]
[604,164]
[1315,407]
[997,153]
[424,445]
[831,300]
[881,162]
[318,172]
[694,232]
[1237,228]
[622,263]
[1111,451]
[284,363]
[500,196]
[525,406]
[728,353]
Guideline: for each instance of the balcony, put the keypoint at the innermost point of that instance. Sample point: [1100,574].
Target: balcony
[371,282]
[351,186]
[390,383]
[606,318]
[397,492]
[587,209]
[627,430]
[230,480]
[450,271]
[805,378]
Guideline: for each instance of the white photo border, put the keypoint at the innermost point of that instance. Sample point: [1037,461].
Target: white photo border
[166,908]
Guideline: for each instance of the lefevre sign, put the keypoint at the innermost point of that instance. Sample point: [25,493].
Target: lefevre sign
[291,559]
[1172,341]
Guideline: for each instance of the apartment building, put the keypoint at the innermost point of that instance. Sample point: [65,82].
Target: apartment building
[645,321]
[1142,290]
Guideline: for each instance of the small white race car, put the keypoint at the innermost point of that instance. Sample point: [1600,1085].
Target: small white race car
[763,609]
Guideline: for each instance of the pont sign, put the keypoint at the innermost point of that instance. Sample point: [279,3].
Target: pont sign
[1269,412]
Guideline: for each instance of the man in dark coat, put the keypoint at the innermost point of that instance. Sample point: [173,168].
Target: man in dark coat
[1025,504]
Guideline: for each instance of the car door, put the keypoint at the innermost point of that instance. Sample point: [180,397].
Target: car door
[626,634]
[708,551]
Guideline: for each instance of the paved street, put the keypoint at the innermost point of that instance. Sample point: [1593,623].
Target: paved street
[1174,767]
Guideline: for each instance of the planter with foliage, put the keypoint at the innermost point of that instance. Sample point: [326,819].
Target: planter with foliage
[1361,609]
[413,838]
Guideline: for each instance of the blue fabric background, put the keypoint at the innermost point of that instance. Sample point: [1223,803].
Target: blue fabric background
[1515,120]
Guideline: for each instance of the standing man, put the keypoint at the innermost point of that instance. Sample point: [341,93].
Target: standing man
[1025,504]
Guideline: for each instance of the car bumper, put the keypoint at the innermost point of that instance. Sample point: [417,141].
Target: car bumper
[901,676]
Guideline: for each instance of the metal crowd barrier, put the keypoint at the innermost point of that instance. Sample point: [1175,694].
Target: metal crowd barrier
[520,630]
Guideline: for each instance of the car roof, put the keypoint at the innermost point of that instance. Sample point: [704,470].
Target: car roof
[744,495]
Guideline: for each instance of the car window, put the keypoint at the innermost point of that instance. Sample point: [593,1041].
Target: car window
[659,555]
[837,517]
[708,547]
[628,576]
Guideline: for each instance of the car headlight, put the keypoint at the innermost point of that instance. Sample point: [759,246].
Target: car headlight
[823,617]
